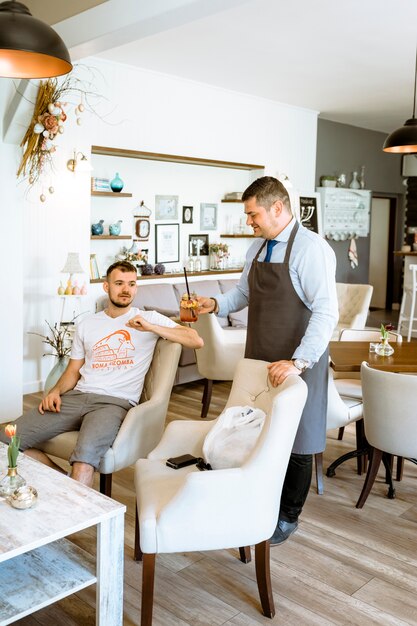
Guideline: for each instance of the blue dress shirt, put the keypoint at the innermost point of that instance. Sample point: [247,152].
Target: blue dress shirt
[312,268]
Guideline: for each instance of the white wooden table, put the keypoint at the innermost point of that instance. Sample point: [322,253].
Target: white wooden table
[39,566]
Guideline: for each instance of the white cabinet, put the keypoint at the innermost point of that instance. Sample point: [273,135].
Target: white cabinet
[345,212]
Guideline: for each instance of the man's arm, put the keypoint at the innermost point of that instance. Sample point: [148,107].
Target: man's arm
[184,335]
[68,380]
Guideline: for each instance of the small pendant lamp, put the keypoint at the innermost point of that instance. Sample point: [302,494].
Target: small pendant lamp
[404,139]
[29,48]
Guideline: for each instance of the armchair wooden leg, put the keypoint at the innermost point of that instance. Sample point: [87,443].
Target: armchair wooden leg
[105,484]
[263,578]
[340,433]
[148,579]
[374,464]
[245,555]
[318,458]
[400,467]
[361,460]
[208,388]
[137,553]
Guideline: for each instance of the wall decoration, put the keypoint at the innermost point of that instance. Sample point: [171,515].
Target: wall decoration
[309,212]
[208,216]
[198,245]
[167,243]
[142,228]
[187,214]
[166,207]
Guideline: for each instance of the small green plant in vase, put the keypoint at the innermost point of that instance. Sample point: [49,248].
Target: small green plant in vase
[384,348]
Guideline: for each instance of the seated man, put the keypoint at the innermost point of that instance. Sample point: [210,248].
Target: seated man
[111,354]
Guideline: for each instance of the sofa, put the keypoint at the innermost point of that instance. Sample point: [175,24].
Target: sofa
[353,299]
[165,298]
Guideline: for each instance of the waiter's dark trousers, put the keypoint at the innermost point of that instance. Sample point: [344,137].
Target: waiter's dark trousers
[296,486]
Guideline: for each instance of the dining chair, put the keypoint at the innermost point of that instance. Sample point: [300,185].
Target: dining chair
[410,290]
[143,425]
[218,358]
[190,510]
[341,411]
[353,302]
[389,402]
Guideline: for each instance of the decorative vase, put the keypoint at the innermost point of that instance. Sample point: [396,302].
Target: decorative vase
[114,229]
[97,229]
[362,177]
[354,183]
[56,373]
[10,482]
[116,184]
[384,348]
[216,261]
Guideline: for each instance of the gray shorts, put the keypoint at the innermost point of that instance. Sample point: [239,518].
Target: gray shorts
[97,418]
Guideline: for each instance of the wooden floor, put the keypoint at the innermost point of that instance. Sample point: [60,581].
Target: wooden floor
[343,566]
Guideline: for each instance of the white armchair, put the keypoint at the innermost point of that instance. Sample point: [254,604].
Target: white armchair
[143,425]
[218,358]
[389,402]
[353,301]
[186,510]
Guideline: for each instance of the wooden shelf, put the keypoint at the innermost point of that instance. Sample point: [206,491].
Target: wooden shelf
[237,236]
[111,194]
[111,237]
[180,274]
[239,201]
[172,158]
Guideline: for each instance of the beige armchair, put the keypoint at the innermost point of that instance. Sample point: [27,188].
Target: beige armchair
[389,402]
[354,301]
[187,510]
[218,359]
[143,425]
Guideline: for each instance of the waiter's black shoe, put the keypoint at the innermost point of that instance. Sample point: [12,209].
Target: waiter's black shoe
[283,531]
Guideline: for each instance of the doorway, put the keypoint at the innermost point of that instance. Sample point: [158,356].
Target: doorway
[381,247]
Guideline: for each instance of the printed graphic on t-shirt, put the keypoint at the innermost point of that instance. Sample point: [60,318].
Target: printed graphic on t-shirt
[113,351]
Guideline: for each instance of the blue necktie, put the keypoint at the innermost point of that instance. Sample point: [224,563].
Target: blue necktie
[269,247]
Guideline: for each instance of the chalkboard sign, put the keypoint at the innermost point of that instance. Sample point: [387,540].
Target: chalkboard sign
[310,216]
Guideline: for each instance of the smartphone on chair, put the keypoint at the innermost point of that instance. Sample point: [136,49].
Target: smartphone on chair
[182,461]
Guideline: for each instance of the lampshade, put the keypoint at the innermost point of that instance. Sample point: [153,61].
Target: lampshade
[29,48]
[404,139]
[72,264]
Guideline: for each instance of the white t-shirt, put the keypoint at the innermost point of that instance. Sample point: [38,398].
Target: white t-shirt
[117,357]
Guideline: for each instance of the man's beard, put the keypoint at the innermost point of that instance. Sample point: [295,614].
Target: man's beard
[120,305]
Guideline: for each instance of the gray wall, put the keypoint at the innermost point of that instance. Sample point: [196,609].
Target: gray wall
[343,148]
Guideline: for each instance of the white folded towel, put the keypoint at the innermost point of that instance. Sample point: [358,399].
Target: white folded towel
[353,254]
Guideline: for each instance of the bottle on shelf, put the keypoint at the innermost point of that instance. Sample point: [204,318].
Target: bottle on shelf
[362,177]
[190,264]
[354,183]
[197,264]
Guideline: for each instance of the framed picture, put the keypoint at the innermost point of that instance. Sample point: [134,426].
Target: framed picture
[308,212]
[167,243]
[198,245]
[208,216]
[187,214]
[166,207]
[142,228]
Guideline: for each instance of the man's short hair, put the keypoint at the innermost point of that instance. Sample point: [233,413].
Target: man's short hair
[123,266]
[267,190]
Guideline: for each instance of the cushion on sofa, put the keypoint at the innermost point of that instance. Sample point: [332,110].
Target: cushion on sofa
[238,319]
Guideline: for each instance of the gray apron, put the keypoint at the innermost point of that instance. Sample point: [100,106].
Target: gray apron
[277,322]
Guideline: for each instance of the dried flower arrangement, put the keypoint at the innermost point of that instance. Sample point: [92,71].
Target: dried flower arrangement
[221,249]
[60,339]
[47,123]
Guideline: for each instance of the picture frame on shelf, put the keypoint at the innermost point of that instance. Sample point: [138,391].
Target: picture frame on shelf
[208,216]
[196,242]
[167,243]
[166,207]
[142,228]
[187,214]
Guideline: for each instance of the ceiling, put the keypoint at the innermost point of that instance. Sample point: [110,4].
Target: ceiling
[353,62]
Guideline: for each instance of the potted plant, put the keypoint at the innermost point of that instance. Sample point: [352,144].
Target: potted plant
[328,181]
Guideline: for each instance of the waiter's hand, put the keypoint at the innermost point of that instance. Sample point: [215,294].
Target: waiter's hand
[279,370]
[206,305]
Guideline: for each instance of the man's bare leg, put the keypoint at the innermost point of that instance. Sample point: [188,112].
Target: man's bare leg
[83,472]
[43,458]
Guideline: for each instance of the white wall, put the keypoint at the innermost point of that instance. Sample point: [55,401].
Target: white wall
[143,111]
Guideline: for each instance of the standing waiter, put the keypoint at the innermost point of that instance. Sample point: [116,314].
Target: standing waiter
[289,284]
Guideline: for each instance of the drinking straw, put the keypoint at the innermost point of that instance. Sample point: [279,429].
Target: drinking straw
[186,283]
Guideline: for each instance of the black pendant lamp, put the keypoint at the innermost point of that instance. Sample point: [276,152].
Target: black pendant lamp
[404,139]
[29,48]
